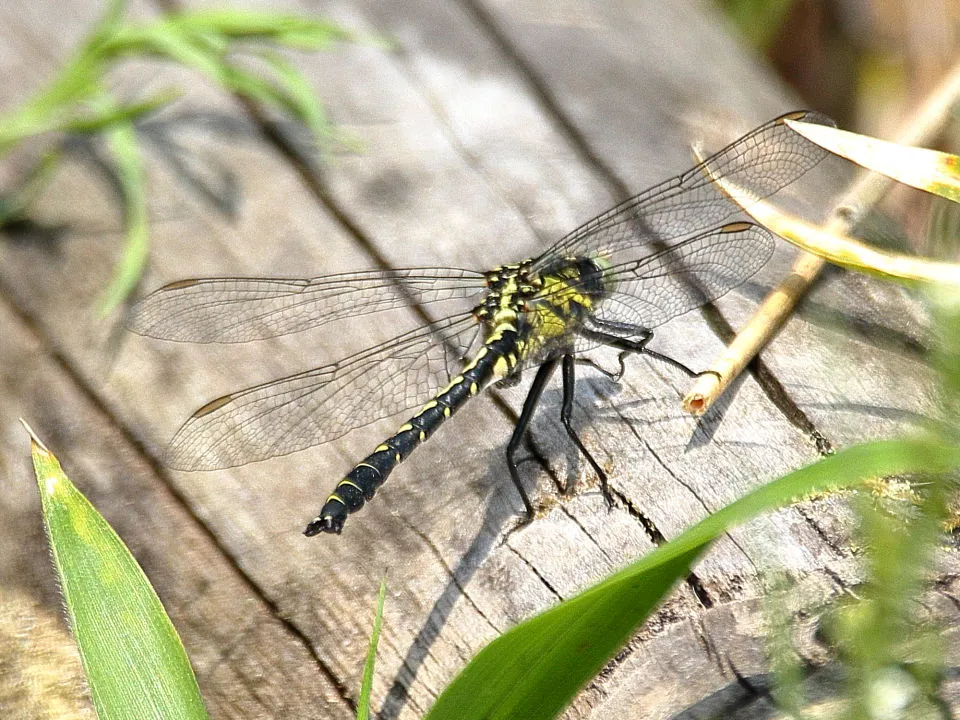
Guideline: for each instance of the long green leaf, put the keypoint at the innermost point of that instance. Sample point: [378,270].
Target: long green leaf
[104,117]
[535,669]
[134,661]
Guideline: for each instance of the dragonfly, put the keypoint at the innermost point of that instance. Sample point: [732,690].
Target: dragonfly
[673,248]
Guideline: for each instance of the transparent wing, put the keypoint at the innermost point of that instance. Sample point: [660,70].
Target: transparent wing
[227,310]
[670,282]
[673,281]
[317,406]
[764,161]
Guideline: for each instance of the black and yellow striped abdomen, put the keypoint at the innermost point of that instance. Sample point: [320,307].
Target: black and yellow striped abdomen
[526,316]
[361,483]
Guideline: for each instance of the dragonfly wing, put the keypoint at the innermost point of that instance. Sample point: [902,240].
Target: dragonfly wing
[228,310]
[678,279]
[762,162]
[671,282]
[316,406]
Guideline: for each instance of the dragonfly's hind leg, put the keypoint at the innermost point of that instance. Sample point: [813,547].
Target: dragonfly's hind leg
[566,412]
[526,414]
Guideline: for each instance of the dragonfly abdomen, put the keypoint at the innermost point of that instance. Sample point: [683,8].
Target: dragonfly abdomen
[496,358]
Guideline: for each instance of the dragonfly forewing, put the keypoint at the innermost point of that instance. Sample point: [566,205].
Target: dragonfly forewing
[231,309]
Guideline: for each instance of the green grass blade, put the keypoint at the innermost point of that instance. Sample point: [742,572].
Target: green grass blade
[80,121]
[535,669]
[122,143]
[366,686]
[104,118]
[201,40]
[76,83]
[75,102]
[51,107]
[204,49]
[134,661]
[288,30]
[198,51]
[297,96]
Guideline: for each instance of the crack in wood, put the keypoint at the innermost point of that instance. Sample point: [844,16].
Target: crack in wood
[546,583]
[576,521]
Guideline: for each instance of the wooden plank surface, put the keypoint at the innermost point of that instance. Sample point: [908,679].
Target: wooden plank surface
[491,130]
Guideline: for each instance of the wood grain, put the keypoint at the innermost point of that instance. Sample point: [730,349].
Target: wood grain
[487,132]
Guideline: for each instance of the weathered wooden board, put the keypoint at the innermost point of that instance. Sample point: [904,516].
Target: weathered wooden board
[491,130]
[248,659]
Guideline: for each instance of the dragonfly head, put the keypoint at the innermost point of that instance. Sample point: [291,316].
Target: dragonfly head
[596,280]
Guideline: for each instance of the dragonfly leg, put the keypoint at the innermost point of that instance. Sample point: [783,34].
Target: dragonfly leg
[616,375]
[529,406]
[566,410]
[628,345]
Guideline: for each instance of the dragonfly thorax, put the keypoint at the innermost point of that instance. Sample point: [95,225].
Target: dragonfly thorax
[586,278]
[541,310]
[571,285]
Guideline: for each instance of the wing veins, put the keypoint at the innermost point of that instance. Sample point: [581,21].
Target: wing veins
[216,438]
[197,311]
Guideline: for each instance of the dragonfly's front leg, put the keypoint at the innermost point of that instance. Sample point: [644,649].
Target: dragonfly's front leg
[628,345]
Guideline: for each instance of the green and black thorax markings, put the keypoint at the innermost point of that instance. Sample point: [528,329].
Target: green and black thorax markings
[523,315]
[662,253]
